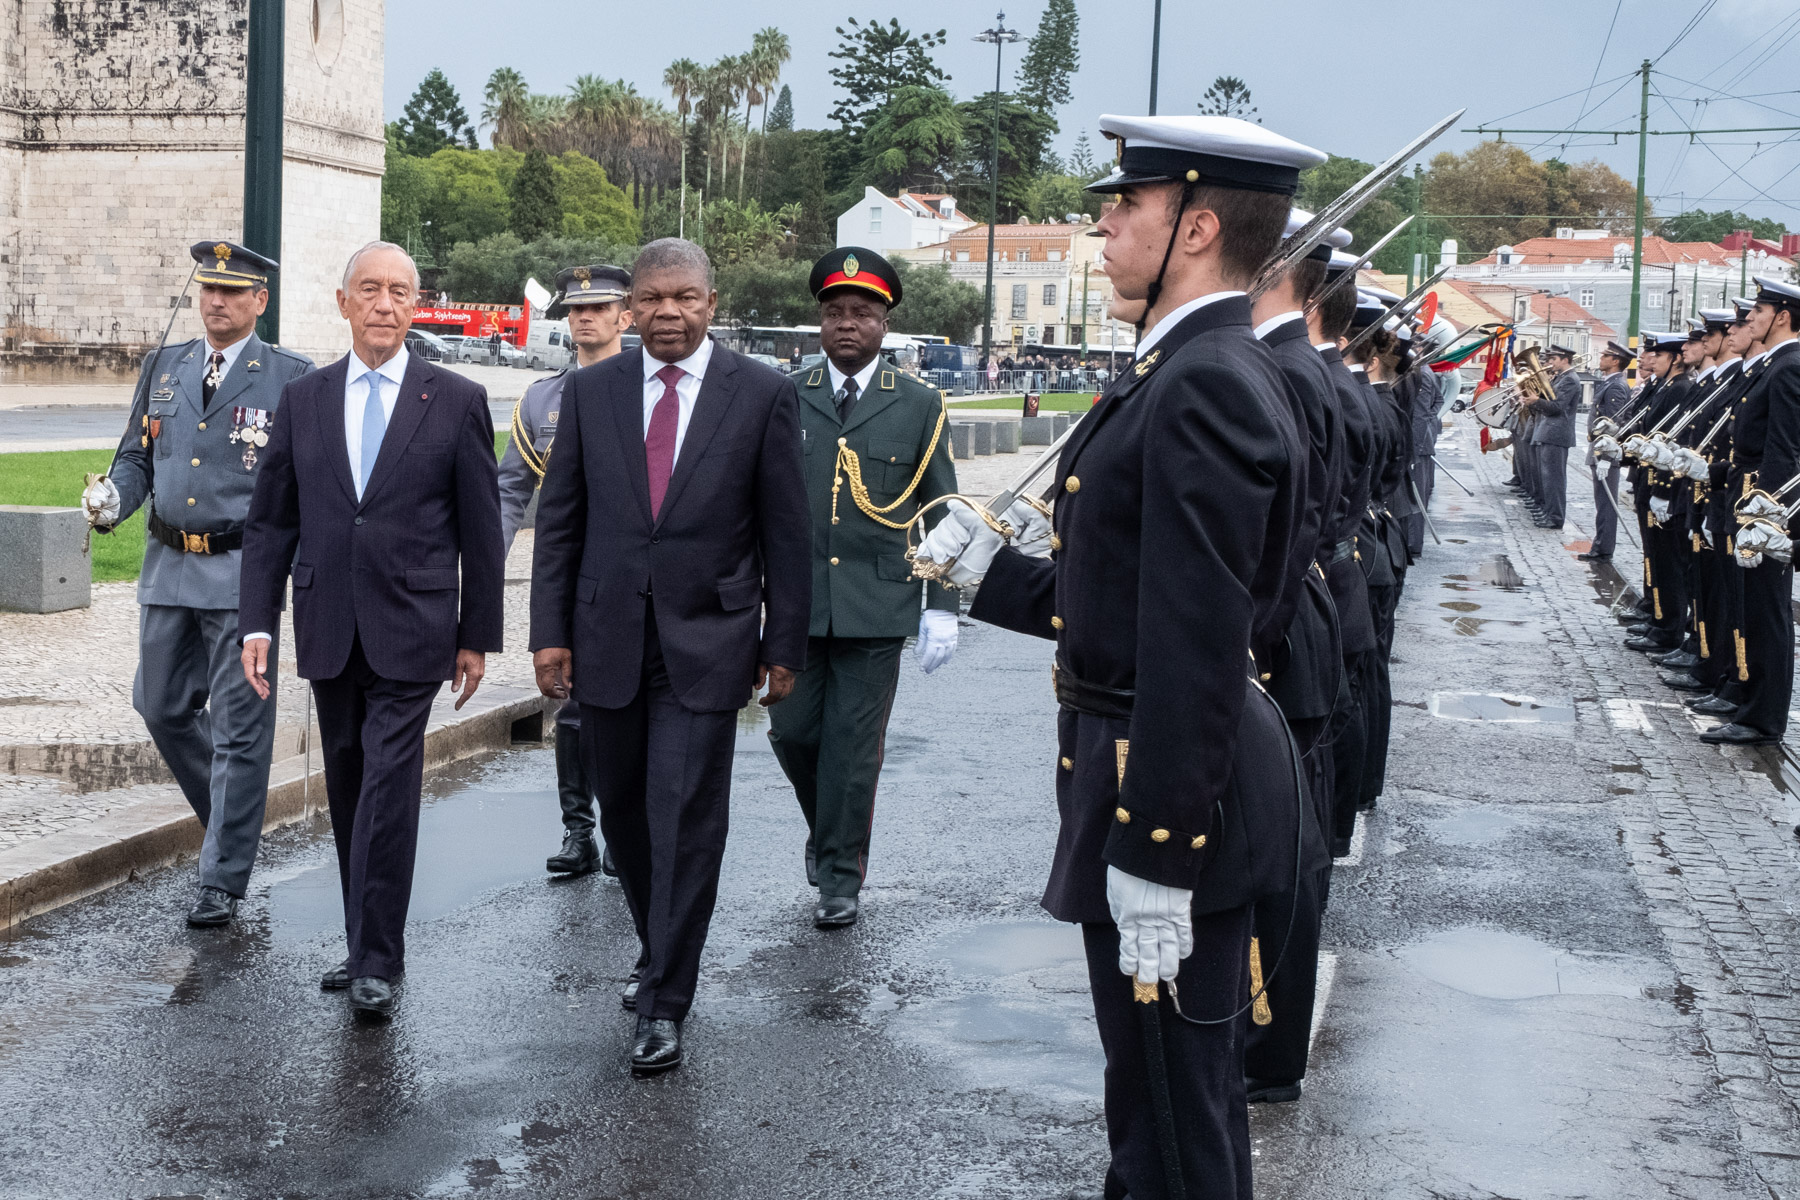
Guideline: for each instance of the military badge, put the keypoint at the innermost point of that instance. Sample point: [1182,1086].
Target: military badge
[850,267]
[1149,361]
[155,427]
[552,415]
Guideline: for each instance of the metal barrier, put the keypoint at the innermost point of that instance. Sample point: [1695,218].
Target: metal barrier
[1018,380]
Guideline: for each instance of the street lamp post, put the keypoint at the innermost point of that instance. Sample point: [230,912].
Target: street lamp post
[999,35]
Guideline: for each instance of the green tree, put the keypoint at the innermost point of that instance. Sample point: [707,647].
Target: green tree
[1509,196]
[434,118]
[536,209]
[494,269]
[1052,196]
[1698,225]
[916,137]
[591,205]
[1228,96]
[934,302]
[781,117]
[1052,57]
[504,102]
[1081,161]
[466,201]
[1324,183]
[1025,134]
[405,193]
[766,291]
[877,60]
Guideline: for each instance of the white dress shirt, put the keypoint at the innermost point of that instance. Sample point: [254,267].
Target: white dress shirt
[862,378]
[687,388]
[1176,317]
[1277,321]
[356,395]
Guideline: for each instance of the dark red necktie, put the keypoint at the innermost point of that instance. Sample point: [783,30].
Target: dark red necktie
[659,440]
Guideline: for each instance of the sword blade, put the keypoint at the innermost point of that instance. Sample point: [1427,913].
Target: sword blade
[1344,277]
[1409,304]
[1003,500]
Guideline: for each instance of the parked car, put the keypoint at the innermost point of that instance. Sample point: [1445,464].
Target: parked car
[428,346]
[467,349]
[769,360]
[512,356]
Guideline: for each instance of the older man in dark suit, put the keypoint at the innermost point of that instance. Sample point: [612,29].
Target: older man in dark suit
[378,483]
[671,578]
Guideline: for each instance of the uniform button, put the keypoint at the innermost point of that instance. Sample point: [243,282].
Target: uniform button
[834,562]
[1197,842]
[193,462]
[1071,484]
[1056,622]
[1124,817]
[656,541]
[1159,835]
[203,424]
[1068,764]
[190,502]
[359,521]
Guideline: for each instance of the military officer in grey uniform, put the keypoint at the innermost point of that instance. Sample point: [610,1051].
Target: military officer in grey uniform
[1553,436]
[202,413]
[877,446]
[593,299]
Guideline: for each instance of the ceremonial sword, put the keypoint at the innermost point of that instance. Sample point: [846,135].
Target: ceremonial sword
[1408,305]
[1344,277]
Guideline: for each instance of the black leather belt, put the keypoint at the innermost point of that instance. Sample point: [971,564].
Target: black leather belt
[195,543]
[1077,694]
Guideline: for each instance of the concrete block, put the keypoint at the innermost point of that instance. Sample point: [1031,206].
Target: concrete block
[1037,431]
[1006,437]
[984,437]
[962,439]
[44,562]
[1063,421]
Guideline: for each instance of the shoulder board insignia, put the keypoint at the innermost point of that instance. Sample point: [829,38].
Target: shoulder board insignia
[887,381]
[255,362]
[1149,361]
[818,374]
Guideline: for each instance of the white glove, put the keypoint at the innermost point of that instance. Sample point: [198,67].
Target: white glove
[1779,547]
[1659,508]
[1759,505]
[963,542]
[937,639]
[1688,464]
[101,500]
[1607,449]
[1031,529]
[1156,925]
[1635,446]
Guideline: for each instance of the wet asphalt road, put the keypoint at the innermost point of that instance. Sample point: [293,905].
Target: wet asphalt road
[1500,1020]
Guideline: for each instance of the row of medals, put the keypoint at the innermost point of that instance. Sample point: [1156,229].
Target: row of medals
[253,435]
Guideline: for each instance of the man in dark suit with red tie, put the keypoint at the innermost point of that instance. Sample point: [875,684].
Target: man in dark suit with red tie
[671,578]
[378,484]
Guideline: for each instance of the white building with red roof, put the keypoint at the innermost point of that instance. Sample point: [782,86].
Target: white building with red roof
[903,222]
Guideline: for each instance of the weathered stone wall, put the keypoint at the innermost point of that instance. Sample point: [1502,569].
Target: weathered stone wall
[121,142]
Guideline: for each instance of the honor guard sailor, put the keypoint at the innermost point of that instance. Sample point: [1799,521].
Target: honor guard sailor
[1177,499]
[593,298]
[190,453]
[877,446]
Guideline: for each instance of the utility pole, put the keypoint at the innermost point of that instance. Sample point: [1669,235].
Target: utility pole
[999,35]
[1155,52]
[262,146]
[1637,236]
[1412,263]
[1084,310]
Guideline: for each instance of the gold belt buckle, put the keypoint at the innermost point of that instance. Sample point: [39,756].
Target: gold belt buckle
[197,543]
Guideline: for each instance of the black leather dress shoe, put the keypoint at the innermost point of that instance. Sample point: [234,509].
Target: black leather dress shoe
[835,912]
[1737,735]
[1676,659]
[372,996]
[1594,556]
[336,979]
[578,855]
[1712,706]
[812,865]
[1270,1091]
[1548,524]
[608,867]
[1649,645]
[628,994]
[212,908]
[1681,681]
[1639,628]
[656,1047]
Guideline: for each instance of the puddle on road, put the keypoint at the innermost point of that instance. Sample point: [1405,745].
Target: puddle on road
[1462,606]
[1491,630]
[1475,827]
[1499,708]
[1496,965]
[1496,571]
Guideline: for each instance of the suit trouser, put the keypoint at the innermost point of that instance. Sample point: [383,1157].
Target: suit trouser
[1768,647]
[662,773]
[829,736]
[211,728]
[1553,482]
[1349,743]
[1725,629]
[1205,1064]
[1669,582]
[372,732]
[572,790]
[1378,694]
[1606,513]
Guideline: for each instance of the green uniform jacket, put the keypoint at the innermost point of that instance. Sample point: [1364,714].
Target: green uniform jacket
[862,581]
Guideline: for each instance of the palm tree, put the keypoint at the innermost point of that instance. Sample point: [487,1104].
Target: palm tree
[718,98]
[771,50]
[683,78]
[545,122]
[504,103]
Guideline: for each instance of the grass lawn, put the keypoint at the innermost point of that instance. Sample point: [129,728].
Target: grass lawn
[56,477]
[1047,402]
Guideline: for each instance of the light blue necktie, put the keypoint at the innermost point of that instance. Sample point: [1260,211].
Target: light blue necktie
[374,426]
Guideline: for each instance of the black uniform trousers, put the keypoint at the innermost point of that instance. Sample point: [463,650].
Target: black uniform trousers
[1349,743]
[1668,584]
[1725,625]
[572,790]
[1606,511]
[829,736]
[1552,464]
[1205,1064]
[662,773]
[1768,647]
[372,735]
[1378,693]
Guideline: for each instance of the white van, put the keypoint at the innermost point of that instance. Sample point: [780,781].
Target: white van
[547,346]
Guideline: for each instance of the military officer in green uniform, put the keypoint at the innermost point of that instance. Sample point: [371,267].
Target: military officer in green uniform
[877,447]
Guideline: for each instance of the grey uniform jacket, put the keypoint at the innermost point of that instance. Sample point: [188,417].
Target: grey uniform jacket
[195,463]
[1610,397]
[1556,421]
[535,416]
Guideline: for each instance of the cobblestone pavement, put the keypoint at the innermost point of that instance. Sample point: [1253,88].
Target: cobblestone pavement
[1710,834]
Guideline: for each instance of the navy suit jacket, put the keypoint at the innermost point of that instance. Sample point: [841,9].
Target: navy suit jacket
[727,559]
[384,567]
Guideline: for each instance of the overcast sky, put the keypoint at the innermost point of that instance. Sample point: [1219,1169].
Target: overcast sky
[1356,79]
